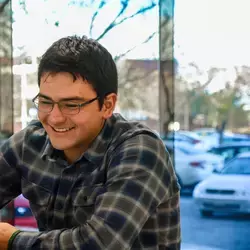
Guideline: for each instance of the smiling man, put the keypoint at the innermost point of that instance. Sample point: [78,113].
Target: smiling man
[94,180]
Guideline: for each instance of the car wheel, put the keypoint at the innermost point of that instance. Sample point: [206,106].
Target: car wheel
[206,213]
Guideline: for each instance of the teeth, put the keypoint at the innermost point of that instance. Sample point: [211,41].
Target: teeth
[62,129]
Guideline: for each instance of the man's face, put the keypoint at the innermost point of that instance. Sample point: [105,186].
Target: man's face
[71,133]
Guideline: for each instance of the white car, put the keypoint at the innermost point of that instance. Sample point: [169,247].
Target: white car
[193,165]
[187,137]
[194,139]
[227,191]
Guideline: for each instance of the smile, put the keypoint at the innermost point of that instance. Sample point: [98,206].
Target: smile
[61,130]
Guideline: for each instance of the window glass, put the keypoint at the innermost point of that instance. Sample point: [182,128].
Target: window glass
[238,166]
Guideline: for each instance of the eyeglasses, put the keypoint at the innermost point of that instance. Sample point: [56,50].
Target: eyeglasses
[66,107]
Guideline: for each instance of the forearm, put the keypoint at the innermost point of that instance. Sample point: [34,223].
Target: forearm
[95,235]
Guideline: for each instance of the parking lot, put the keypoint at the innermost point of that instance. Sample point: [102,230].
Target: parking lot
[220,232]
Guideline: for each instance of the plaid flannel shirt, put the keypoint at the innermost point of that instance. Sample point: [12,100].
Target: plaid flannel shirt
[122,193]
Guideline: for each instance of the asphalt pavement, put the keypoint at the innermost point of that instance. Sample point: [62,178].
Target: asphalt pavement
[219,232]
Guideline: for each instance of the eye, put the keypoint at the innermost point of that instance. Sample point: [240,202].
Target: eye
[44,102]
[70,105]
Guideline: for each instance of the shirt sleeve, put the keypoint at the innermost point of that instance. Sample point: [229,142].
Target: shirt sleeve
[140,177]
[11,163]
[10,178]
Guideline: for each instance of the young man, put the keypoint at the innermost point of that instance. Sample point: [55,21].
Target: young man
[94,180]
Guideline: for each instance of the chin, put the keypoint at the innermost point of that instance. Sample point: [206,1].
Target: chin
[61,144]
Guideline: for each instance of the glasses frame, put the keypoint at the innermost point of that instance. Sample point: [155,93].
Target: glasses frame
[80,105]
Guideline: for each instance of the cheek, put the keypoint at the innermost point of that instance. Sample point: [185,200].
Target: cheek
[41,116]
[88,120]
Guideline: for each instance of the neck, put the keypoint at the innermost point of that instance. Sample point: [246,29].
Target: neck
[73,154]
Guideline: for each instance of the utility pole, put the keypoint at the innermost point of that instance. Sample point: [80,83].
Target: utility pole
[167,65]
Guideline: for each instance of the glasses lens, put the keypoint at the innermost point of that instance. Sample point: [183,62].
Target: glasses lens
[69,108]
[43,105]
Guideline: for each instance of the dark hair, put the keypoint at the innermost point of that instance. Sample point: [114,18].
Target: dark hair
[85,57]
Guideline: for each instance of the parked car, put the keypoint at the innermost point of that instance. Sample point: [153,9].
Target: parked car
[192,165]
[226,191]
[184,136]
[18,214]
[235,138]
[230,150]
[211,138]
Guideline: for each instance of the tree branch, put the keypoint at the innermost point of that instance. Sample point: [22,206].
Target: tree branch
[101,5]
[115,23]
[133,74]
[116,58]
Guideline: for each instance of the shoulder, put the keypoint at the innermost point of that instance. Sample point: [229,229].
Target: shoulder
[143,156]
[135,142]
[35,134]
[132,131]
[33,137]
[146,148]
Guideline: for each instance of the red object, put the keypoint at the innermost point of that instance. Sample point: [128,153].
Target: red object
[196,164]
[23,214]
[195,141]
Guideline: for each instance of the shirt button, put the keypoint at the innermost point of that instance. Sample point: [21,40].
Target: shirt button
[85,198]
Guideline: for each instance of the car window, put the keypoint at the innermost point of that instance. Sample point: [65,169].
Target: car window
[227,153]
[189,150]
[243,149]
[238,166]
[216,151]
[178,137]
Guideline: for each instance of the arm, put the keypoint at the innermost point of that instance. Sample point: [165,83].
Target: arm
[138,180]
[11,161]
[10,178]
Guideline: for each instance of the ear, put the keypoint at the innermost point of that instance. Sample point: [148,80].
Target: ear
[109,105]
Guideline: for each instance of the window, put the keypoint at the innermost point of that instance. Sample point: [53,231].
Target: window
[238,166]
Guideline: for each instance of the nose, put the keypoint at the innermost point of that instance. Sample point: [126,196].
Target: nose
[56,116]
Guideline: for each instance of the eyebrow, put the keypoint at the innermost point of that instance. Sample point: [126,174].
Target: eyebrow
[70,98]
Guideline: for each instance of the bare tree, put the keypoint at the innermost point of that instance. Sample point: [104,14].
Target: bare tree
[138,85]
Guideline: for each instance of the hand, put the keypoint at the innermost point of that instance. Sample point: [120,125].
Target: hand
[6,230]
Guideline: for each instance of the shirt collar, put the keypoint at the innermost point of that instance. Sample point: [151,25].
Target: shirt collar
[99,146]
[48,150]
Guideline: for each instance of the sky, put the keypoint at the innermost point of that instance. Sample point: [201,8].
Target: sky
[213,32]
[36,30]
[208,32]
